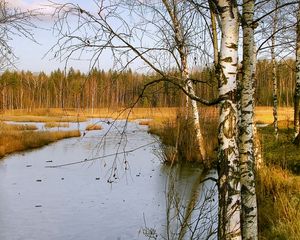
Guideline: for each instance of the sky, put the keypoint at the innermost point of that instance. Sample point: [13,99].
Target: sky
[33,56]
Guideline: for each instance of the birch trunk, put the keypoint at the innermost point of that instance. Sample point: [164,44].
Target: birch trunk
[257,145]
[196,119]
[229,177]
[274,74]
[181,44]
[297,87]
[246,134]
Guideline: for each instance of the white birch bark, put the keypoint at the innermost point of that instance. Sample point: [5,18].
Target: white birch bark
[229,177]
[196,118]
[257,145]
[297,87]
[246,134]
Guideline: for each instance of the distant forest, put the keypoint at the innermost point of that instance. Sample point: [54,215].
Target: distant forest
[25,90]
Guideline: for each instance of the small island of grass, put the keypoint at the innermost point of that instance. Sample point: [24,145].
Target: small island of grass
[92,127]
[14,138]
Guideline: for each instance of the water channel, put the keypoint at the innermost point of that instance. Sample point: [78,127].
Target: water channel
[123,196]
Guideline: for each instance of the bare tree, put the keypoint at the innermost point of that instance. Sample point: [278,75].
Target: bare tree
[274,69]
[180,33]
[297,88]
[163,36]
[13,22]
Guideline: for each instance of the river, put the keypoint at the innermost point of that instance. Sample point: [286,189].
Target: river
[123,196]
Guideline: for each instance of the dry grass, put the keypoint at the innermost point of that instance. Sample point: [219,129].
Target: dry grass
[265,114]
[145,122]
[278,190]
[52,112]
[278,194]
[92,127]
[13,141]
[56,124]
[179,132]
[120,113]
[32,118]
[16,127]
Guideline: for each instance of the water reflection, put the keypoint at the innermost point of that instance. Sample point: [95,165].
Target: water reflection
[191,203]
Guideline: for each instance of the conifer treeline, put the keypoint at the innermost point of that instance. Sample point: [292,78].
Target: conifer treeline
[98,89]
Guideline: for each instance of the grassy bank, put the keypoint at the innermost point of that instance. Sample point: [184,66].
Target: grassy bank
[278,181]
[93,127]
[278,185]
[283,152]
[16,127]
[32,118]
[120,113]
[13,141]
[178,136]
[263,114]
[278,195]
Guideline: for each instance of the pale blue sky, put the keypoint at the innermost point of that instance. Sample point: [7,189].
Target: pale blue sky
[31,55]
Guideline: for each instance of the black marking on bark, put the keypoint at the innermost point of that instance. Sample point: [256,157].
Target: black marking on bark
[233,46]
[227,59]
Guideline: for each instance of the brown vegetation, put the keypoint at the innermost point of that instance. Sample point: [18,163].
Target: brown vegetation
[29,118]
[278,190]
[13,141]
[265,114]
[178,136]
[92,127]
[72,115]
[145,122]
[278,194]
[16,127]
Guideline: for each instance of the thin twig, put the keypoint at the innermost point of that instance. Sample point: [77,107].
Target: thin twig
[104,156]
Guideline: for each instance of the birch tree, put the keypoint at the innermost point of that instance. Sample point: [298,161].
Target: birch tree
[229,175]
[183,50]
[246,135]
[163,36]
[274,69]
[13,22]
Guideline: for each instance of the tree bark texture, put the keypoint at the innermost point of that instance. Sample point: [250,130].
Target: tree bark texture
[196,121]
[229,175]
[246,128]
[257,145]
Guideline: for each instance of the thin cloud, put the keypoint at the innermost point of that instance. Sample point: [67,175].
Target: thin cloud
[41,6]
